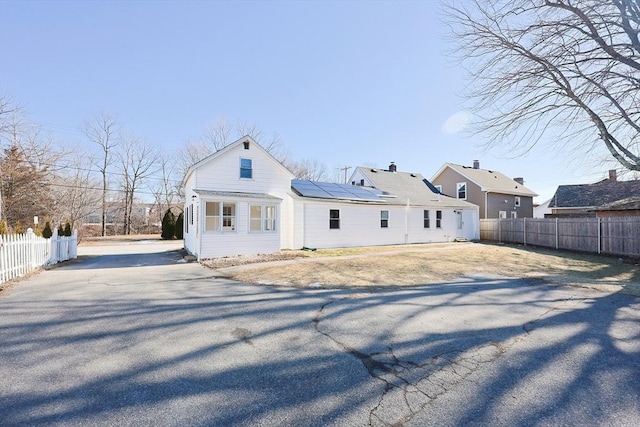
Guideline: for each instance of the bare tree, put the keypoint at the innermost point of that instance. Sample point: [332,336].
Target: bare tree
[137,160]
[567,69]
[165,189]
[76,191]
[102,130]
[312,170]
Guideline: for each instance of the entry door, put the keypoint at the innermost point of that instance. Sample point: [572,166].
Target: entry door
[459,224]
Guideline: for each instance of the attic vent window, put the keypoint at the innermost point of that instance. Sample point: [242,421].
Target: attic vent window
[246,145]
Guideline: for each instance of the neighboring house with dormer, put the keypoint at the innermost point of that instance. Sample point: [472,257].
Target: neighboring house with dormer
[496,195]
[584,200]
[242,201]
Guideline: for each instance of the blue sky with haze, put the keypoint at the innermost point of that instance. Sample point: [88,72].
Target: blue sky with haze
[346,83]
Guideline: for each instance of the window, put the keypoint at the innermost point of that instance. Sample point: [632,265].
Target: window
[220,216]
[426,219]
[262,218]
[461,190]
[502,214]
[246,168]
[517,200]
[334,218]
[186,223]
[191,214]
[384,219]
[514,214]
[438,219]
[439,188]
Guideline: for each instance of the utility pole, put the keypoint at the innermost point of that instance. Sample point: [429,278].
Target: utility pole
[345,169]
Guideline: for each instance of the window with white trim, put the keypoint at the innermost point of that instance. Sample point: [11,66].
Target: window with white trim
[426,223]
[502,214]
[461,190]
[514,214]
[262,218]
[220,216]
[384,219]
[517,201]
[246,168]
[438,219]
[334,219]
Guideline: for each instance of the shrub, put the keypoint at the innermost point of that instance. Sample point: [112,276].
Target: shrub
[46,231]
[67,229]
[168,225]
[180,226]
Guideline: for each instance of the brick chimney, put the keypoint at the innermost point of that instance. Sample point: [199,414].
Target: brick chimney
[392,167]
[613,176]
[519,180]
[476,164]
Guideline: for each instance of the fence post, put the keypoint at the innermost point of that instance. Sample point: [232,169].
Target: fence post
[557,233]
[53,259]
[31,248]
[599,236]
[524,230]
[499,230]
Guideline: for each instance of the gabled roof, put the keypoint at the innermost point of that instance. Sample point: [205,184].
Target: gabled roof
[594,195]
[404,188]
[229,147]
[488,180]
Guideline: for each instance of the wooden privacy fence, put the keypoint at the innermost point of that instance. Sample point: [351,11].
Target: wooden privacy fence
[609,235]
[22,253]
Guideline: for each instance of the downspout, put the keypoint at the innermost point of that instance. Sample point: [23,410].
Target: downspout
[406,223]
[486,202]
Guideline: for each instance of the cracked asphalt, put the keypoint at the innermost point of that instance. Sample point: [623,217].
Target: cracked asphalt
[129,335]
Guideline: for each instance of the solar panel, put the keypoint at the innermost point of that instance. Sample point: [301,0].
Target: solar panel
[331,190]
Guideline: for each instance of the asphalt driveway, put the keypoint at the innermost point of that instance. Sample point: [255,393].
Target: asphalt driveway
[129,335]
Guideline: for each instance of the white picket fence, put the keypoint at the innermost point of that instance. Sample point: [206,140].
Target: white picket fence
[22,253]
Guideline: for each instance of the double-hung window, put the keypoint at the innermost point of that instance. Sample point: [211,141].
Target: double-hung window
[334,219]
[262,218]
[517,201]
[220,216]
[438,219]
[461,190]
[427,223]
[384,219]
[246,168]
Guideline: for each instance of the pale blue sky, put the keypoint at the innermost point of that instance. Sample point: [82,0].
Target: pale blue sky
[346,83]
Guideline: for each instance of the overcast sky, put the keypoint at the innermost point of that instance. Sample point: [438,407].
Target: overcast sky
[346,83]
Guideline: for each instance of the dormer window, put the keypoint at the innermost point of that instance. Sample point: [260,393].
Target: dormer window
[246,168]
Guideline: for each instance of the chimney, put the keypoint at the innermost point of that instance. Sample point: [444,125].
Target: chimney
[476,164]
[613,177]
[392,167]
[519,180]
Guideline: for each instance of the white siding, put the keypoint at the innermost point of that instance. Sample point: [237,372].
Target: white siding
[191,237]
[241,241]
[360,225]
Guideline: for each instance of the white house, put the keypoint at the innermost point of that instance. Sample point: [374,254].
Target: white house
[241,201]
[237,202]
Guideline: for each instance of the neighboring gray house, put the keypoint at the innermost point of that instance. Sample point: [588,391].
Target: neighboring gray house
[497,195]
[583,200]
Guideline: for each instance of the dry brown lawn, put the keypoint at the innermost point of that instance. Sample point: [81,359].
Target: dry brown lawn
[411,265]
